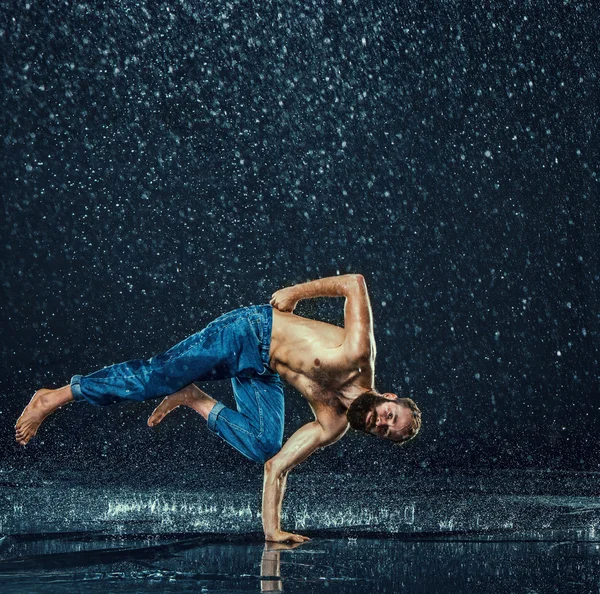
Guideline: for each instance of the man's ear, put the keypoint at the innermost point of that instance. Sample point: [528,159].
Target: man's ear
[390,396]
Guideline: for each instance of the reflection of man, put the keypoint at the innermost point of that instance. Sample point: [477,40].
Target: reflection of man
[270,567]
[257,346]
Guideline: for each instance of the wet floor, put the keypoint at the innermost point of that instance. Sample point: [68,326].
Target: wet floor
[83,562]
[525,532]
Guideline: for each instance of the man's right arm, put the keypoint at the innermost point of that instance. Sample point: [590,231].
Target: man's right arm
[297,448]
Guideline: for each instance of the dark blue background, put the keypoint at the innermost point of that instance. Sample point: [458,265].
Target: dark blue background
[160,166]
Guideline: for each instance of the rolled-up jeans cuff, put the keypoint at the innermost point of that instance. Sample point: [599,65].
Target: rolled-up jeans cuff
[213,414]
[76,388]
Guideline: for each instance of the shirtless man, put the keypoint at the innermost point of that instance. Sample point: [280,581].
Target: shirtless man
[257,346]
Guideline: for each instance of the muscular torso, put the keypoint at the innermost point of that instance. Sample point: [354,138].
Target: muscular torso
[308,355]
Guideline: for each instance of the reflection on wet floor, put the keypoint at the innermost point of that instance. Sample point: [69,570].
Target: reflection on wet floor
[530,532]
[67,563]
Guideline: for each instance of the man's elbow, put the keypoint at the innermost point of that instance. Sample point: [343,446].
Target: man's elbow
[357,279]
[274,468]
[352,280]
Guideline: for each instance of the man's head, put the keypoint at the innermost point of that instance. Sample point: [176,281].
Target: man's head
[385,415]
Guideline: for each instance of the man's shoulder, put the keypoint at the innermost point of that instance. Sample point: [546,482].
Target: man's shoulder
[332,418]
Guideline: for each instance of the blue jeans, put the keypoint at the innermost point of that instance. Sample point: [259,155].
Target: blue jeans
[234,346]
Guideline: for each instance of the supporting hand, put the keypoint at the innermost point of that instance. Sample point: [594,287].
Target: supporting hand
[275,547]
[281,536]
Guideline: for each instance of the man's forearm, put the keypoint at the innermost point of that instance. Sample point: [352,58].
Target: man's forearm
[331,286]
[273,490]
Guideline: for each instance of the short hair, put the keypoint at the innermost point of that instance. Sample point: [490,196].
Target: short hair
[415,424]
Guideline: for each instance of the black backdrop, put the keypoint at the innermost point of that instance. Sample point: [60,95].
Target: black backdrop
[162,165]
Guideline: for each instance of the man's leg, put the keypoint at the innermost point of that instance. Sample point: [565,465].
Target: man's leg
[190,396]
[255,429]
[46,401]
[227,346]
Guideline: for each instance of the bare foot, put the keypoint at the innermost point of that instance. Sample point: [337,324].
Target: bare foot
[43,403]
[190,396]
[167,405]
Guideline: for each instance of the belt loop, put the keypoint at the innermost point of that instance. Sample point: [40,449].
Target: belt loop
[267,325]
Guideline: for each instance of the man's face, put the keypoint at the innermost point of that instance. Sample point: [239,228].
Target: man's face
[380,415]
[389,420]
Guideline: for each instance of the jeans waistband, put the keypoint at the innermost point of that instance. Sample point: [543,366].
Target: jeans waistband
[266,326]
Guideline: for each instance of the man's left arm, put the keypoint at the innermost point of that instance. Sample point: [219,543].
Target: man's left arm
[359,343]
